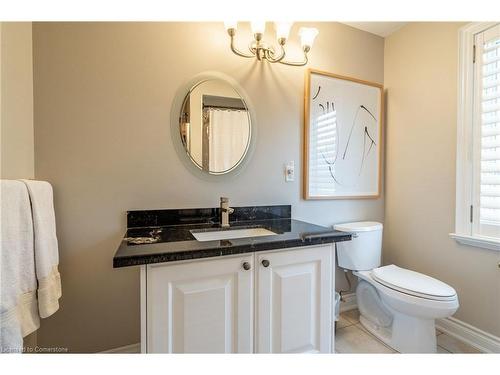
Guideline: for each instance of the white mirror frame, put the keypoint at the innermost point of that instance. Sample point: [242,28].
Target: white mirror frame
[174,125]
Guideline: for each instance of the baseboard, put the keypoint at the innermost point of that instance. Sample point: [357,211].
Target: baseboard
[484,341]
[349,302]
[127,349]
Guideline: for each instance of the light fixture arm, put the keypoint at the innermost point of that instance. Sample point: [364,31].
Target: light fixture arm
[231,33]
[270,53]
[262,52]
[302,63]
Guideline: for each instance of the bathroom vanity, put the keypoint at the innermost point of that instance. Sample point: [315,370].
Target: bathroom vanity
[263,285]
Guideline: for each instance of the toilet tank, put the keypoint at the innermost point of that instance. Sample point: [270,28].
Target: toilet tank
[364,251]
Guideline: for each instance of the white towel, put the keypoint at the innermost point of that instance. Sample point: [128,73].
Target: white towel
[18,306]
[46,248]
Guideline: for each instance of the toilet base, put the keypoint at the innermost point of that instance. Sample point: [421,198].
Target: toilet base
[406,335]
[401,331]
[381,333]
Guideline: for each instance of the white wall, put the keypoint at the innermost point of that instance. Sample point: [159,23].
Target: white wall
[421,62]
[17,139]
[102,137]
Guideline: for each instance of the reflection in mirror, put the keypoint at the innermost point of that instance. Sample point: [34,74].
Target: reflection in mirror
[215,126]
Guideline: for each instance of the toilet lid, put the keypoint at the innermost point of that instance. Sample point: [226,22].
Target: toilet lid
[413,283]
[359,226]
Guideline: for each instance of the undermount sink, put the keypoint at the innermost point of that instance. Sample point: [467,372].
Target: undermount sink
[229,234]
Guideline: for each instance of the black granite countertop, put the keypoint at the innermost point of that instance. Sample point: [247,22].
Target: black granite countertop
[171,233]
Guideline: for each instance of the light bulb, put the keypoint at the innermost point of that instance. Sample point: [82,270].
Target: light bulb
[307,35]
[231,25]
[258,27]
[282,29]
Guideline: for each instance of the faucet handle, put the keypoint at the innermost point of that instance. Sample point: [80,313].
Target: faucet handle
[224,200]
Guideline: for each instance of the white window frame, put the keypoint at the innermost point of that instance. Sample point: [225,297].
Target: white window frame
[465,111]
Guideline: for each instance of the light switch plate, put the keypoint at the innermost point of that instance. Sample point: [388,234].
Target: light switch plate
[290,171]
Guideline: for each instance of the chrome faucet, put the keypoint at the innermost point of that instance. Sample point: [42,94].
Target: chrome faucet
[225,210]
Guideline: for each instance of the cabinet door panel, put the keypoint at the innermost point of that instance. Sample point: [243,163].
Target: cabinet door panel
[200,307]
[294,306]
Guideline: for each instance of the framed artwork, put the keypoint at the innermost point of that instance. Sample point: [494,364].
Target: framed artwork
[343,120]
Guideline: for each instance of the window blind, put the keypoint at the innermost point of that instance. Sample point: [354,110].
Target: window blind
[489,163]
[323,151]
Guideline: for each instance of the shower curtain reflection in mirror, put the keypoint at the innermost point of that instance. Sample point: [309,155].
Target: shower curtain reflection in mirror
[215,126]
[225,137]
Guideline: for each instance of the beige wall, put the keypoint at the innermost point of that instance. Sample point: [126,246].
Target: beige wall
[421,62]
[102,137]
[16,108]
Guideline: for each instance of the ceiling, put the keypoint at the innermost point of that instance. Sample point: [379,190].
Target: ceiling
[382,29]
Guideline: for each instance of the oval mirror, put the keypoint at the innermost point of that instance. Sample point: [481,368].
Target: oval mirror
[215,126]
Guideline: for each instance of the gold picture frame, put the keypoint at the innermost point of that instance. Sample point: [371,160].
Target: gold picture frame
[349,92]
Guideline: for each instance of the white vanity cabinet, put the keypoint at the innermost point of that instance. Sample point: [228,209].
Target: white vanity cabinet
[203,306]
[294,301]
[278,301]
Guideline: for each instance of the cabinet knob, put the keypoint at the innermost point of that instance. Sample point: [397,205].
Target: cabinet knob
[265,263]
[246,266]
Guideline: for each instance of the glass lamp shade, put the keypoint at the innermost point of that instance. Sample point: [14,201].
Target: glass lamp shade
[307,36]
[282,29]
[258,27]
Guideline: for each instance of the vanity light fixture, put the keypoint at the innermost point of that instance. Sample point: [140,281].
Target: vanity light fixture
[262,51]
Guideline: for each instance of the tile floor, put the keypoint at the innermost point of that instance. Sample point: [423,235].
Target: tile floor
[352,337]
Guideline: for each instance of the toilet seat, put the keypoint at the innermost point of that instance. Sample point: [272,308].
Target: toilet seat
[413,283]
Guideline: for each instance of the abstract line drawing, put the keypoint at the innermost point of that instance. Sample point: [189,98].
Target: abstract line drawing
[367,139]
[343,131]
[317,93]
[366,135]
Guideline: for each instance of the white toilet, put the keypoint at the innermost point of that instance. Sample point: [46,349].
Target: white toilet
[396,305]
